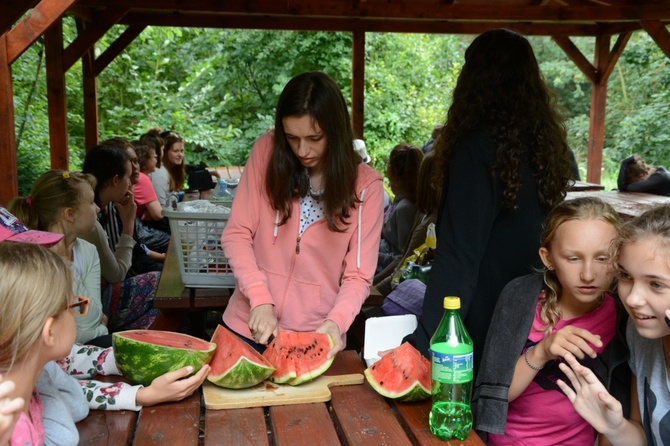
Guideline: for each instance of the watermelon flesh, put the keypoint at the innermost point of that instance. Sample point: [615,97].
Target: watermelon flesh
[144,355]
[299,357]
[402,374]
[235,364]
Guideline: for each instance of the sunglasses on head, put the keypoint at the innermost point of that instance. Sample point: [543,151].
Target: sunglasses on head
[80,305]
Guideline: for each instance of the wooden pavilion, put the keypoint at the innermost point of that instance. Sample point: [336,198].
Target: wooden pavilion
[22,22]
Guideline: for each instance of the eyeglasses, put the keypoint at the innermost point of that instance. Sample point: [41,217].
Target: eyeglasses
[80,305]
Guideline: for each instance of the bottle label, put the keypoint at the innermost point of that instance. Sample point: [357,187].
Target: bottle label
[451,369]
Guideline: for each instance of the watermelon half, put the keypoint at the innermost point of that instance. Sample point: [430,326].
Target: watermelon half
[236,365]
[299,357]
[143,355]
[402,374]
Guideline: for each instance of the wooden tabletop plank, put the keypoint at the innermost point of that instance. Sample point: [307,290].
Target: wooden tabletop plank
[239,427]
[415,417]
[170,423]
[107,428]
[303,424]
[365,418]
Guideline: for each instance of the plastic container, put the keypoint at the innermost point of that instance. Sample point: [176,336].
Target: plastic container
[197,239]
[221,192]
[451,375]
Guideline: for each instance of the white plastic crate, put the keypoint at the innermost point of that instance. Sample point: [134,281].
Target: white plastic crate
[197,238]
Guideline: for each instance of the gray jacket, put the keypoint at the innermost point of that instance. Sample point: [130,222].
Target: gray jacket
[506,338]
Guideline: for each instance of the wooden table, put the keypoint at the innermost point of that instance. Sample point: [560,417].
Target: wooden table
[627,204]
[583,185]
[356,415]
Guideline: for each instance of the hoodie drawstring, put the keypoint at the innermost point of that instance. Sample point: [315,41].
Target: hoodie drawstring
[360,220]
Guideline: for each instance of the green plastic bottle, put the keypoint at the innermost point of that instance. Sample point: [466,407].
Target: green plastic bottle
[451,375]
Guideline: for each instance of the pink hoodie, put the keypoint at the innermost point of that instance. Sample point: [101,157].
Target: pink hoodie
[329,278]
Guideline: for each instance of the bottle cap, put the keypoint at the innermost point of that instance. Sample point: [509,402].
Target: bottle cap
[452,303]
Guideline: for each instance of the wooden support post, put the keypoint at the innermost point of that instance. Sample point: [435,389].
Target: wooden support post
[9,182]
[659,33]
[58,138]
[597,114]
[358,83]
[90,85]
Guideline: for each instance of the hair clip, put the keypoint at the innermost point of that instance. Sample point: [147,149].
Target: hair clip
[29,202]
[66,175]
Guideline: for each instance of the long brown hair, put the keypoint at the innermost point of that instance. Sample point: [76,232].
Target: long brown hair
[405,162]
[177,172]
[501,91]
[318,96]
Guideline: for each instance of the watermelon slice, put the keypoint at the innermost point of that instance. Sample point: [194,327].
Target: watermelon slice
[299,357]
[143,355]
[236,365]
[402,374]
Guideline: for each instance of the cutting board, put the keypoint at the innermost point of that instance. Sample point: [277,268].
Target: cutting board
[271,394]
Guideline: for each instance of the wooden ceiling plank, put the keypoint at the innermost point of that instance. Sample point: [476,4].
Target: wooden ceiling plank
[91,33]
[117,47]
[350,25]
[401,10]
[659,33]
[33,25]
[571,50]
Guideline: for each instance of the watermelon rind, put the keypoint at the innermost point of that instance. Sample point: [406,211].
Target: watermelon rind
[142,361]
[402,374]
[236,365]
[299,357]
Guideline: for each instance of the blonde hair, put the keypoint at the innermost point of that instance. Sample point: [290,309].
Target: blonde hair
[585,208]
[53,191]
[36,285]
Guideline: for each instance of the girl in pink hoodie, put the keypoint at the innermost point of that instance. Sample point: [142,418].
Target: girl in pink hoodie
[304,229]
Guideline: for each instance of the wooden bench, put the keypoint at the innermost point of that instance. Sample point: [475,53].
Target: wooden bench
[230,172]
[177,302]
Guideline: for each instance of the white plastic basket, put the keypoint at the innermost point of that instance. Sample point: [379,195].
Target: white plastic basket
[197,238]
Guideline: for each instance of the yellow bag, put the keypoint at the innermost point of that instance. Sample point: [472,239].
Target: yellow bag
[418,256]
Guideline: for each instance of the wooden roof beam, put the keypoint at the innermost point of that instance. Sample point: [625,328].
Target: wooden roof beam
[144,19]
[33,25]
[117,47]
[659,33]
[90,33]
[12,12]
[400,10]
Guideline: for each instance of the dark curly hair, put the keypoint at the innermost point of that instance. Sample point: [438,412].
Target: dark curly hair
[316,95]
[501,90]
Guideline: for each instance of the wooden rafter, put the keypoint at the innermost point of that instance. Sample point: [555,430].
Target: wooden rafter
[659,33]
[34,25]
[117,47]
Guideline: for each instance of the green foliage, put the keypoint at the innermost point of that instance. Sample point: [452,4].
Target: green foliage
[218,88]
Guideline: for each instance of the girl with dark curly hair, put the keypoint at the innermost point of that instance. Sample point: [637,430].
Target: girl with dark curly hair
[503,164]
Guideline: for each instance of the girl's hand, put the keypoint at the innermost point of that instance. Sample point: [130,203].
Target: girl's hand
[127,209]
[569,339]
[590,398]
[333,330]
[263,323]
[10,409]
[173,386]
